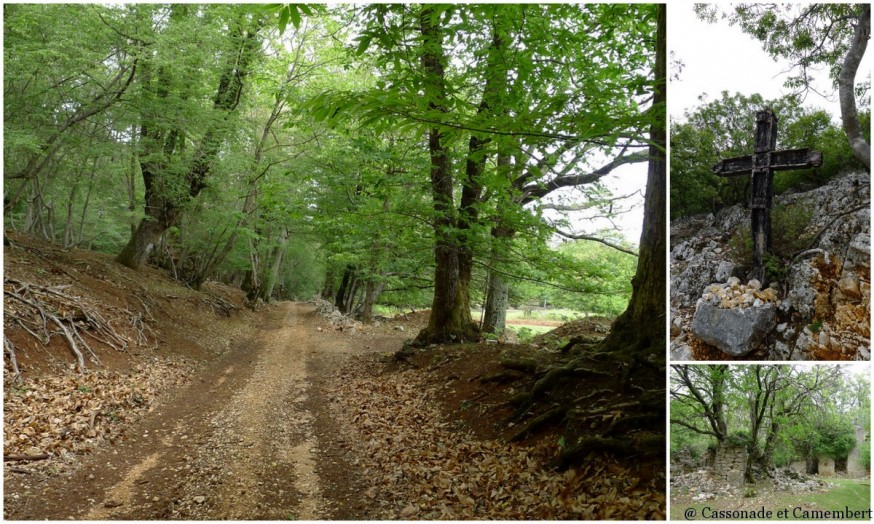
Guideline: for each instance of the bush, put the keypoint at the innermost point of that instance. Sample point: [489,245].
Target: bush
[789,234]
[739,439]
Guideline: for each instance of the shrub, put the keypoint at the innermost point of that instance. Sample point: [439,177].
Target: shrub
[738,439]
[789,234]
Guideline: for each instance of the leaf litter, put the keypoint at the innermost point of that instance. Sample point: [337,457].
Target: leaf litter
[421,466]
[71,413]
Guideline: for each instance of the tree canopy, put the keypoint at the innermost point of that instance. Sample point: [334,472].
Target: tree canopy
[369,153]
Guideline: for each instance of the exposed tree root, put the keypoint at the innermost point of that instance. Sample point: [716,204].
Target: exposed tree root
[650,445]
[46,306]
[537,422]
[22,458]
[502,376]
[10,350]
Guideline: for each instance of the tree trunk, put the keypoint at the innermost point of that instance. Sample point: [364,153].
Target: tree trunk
[136,253]
[495,314]
[272,276]
[450,319]
[767,459]
[369,299]
[81,234]
[328,288]
[349,302]
[163,209]
[340,298]
[847,88]
[641,328]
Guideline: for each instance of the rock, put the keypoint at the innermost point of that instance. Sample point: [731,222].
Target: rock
[200,499]
[781,327]
[864,354]
[849,285]
[780,352]
[680,350]
[399,328]
[734,331]
[755,284]
[802,293]
[724,271]
[859,252]
[823,338]
[733,281]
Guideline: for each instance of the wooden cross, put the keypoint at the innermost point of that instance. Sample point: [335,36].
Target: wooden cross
[762,164]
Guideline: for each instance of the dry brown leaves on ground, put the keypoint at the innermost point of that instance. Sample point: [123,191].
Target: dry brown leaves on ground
[61,414]
[420,468]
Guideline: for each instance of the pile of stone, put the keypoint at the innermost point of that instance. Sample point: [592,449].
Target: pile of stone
[734,317]
[785,479]
[733,294]
[701,486]
[338,321]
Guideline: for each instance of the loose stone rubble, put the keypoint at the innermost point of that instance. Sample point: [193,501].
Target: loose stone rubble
[702,485]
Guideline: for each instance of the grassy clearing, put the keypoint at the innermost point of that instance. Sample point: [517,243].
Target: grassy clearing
[845,494]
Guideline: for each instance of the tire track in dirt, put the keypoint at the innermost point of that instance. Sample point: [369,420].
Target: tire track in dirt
[266,415]
[249,438]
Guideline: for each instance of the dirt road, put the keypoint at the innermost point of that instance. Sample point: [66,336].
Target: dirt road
[249,438]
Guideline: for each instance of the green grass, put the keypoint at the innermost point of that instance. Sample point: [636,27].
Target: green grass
[517,316]
[564,315]
[535,329]
[854,494]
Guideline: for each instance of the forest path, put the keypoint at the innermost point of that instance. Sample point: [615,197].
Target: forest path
[250,438]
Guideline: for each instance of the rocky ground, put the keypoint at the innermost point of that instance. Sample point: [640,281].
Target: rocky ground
[823,300]
[701,485]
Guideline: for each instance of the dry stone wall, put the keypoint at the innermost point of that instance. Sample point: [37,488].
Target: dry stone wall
[729,463]
[826,466]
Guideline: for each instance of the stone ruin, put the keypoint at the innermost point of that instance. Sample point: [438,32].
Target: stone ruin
[855,468]
[825,466]
[723,475]
[729,463]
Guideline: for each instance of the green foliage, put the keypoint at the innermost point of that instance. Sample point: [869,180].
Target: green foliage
[725,127]
[790,233]
[835,438]
[739,438]
[321,166]
[600,275]
[524,334]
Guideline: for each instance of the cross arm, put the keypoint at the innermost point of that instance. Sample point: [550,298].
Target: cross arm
[776,160]
[735,166]
[795,159]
